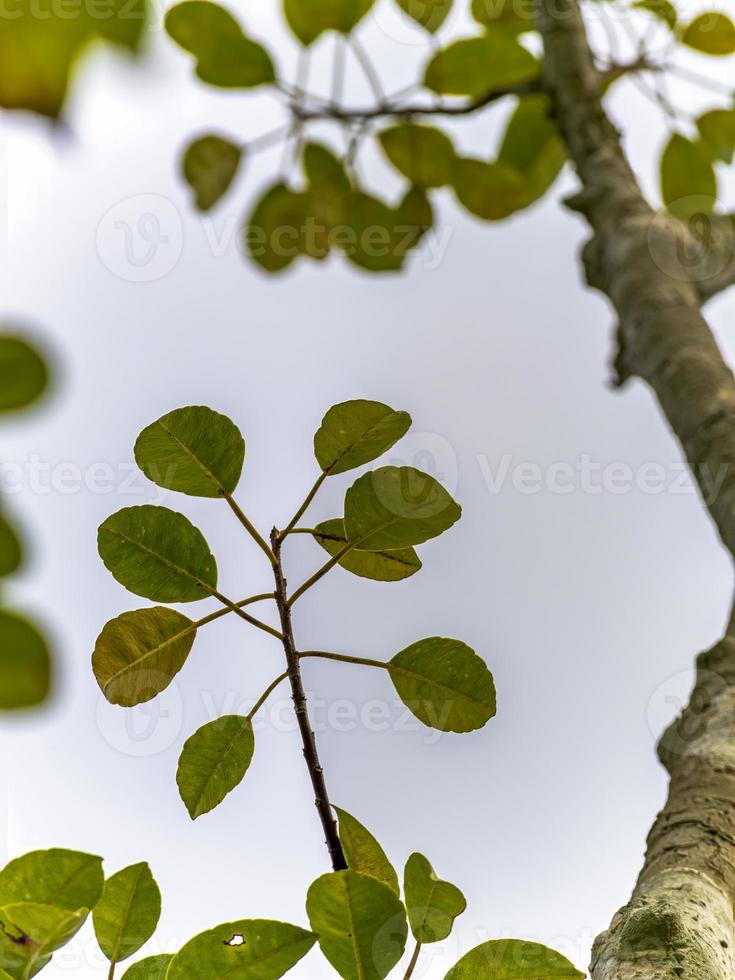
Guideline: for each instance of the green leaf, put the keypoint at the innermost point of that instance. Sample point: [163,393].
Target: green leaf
[375,236]
[252,949]
[532,145]
[360,922]
[357,432]
[429,14]
[69,880]
[309,19]
[363,853]
[664,10]
[422,153]
[478,66]
[432,904]
[711,33]
[139,653]
[397,507]
[274,235]
[225,57]
[23,372]
[491,191]
[512,959]
[445,684]
[328,194]
[151,968]
[209,166]
[25,663]
[11,551]
[688,181]
[214,761]
[158,554]
[717,130]
[127,914]
[193,450]
[415,217]
[34,932]
[323,168]
[380,566]
[514,16]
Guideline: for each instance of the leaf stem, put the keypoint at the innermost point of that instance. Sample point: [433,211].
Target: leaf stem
[414,961]
[249,527]
[344,659]
[327,567]
[241,604]
[111,974]
[234,607]
[289,529]
[266,694]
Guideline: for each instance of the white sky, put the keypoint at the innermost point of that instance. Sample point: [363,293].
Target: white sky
[589,598]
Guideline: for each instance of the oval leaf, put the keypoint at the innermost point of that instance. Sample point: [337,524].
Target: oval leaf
[127,914]
[491,191]
[513,16]
[209,166]
[158,554]
[25,663]
[363,853]
[432,904]
[252,949]
[380,566]
[360,922]
[445,684]
[478,66]
[193,450]
[11,552]
[138,654]
[430,14]
[357,432]
[214,761]
[151,968]
[23,374]
[423,154]
[512,959]
[397,507]
[36,931]
[532,145]
[717,129]
[309,19]
[274,235]
[711,33]
[688,181]
[68,880]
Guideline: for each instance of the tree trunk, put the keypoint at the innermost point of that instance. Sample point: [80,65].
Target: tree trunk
[679,923]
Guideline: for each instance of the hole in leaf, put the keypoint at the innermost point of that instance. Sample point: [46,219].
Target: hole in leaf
[237,940]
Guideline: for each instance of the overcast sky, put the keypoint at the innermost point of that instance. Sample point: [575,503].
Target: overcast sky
[584,569]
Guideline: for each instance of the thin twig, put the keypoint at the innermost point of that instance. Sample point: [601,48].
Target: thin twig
[304,507]
[233,607]
[249,527]
[344,659]
[414,961]
[266,694]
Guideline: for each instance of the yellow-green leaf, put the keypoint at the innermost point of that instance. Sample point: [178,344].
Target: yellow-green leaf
[25,663]
[429,14]
[309,19]
[151,968]
[717,130]
[357,432]
[478,66]
[23,371]
[251,949]
[68,880]
[11,552]
[127,914]
[491,191]
[532,145]
[423,154]
[514,16]
[432,904]
[688,180]
[512,959]
[214,761]
[380,566]
[209,166]
[363,852]
[711,33]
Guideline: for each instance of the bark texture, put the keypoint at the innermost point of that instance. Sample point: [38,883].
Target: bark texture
[679,923]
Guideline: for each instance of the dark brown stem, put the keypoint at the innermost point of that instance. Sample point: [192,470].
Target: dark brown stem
[311,752]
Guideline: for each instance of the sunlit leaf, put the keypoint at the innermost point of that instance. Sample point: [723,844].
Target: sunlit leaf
[430,14]
[423,154]
[209,166]
[711,33]
[514,16]
[363,853]
[225,57]
[717,130]
[309,19]
[23,371]
[69,880]
[25,663]
[356,432]
[664,10]
[158,554]
[193,450]
[491,191]
[397,507]
[532,145]
[11,552]
[688,181]
[32,932]
[252,949]
[360,922]
[127,914]
[214,761]
[480,65]
[432,904]
[151,968]
[445,684]
[380,566]
[512,959]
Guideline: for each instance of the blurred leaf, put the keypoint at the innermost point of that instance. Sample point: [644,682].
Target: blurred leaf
[380,566]
[151,968]
[25,664]
[356,432]
[430,14]
[274,235]
[533,146]
[373,240]
[664,10]
[252,949]
[688,181]
[324,169]
[11,552]
[225,57]
[328,193]
[214,761]
[127,914]
[69,880]
[360,922]
[209,166]
[432,904]
[138,654]
[33,932]
[491,191]
[363,853]
[193,450]
[480,65]
[717,129]
[512,959]
[423,154]
[309,19]
[711,33]
[445,684]
[23,372]
[158,554]
[397,507]
[514,16]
